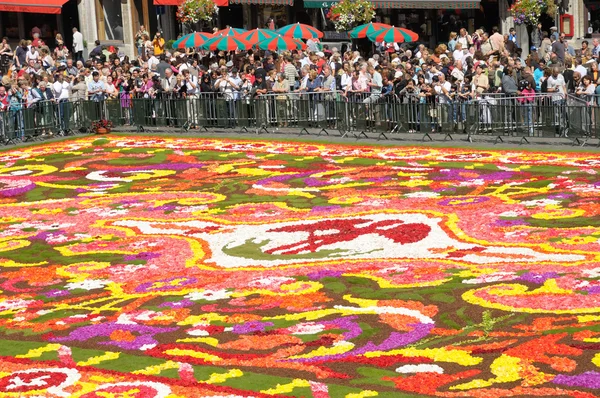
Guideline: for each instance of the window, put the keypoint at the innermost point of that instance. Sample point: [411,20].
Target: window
[110,20]
[10,23]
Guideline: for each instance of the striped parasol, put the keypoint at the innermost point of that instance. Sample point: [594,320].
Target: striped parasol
[394,35]
[226,43]
[192,40]
[230,32]
[300,31]
[281,43]
[360,32]
[257,35]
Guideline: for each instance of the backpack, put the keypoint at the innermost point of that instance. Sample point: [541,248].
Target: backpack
[544,86]
[522,84]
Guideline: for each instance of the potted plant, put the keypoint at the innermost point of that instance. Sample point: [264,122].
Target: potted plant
[528,12]
[347,14]
[101,126]
[192,11]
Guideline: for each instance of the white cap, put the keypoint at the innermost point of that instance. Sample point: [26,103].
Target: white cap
[320,54]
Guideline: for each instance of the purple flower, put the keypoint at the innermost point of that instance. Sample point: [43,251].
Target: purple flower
[143,336]
[315,276]
[141,256]
[586,380]
[538,278]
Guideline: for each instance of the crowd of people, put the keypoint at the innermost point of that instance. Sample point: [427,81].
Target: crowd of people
[467,66]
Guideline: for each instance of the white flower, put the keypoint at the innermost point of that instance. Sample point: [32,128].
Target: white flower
[306,328]
[271,281]
[88,284]
[495,277]
[592,273]
[210,295]
[14,304]
[511,214]
[422,194]
[540,202]
[421,368]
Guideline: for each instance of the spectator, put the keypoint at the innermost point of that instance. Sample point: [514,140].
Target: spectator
[77,45]
[536,35]
[559,48]
[96,88]
[158,44]
[139,39]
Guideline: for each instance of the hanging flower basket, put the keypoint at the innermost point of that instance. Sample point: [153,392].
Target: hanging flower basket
[191,11]
[528,12]
[349,13]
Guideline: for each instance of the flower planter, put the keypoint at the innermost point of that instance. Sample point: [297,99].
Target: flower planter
[102,130]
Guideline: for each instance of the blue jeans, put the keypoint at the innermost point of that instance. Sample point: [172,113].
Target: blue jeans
[63,113]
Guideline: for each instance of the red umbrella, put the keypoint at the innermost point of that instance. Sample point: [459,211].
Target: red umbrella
[193,40]
[226,43]
[257,35]
[300,31]
[281,43]
[230,32]
[360,32]
[394,35]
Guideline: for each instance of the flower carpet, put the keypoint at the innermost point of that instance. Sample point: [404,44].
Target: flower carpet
[188,267]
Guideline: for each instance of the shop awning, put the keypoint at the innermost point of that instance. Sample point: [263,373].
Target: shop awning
[264,2]
[411,4]
[219,3]
[33,6]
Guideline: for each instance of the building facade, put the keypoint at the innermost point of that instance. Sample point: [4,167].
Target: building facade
[115,22]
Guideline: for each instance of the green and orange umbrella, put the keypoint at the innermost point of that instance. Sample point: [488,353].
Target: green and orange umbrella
[300,31]
[255,36]
[226,43]
[281,43]
[360,32]
[230,32]
[394,35]
[192,40]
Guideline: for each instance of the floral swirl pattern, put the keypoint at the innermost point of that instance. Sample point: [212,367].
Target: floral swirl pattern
[182,267]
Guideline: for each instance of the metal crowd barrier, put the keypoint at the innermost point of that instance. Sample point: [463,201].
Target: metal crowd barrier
[343,114]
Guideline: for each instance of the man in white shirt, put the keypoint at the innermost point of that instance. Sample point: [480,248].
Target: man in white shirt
[169,82]
[77,45]
[580,68]
[457,72]
[61,89]
[192,89]
[153,62]
[557,86]
[442,90]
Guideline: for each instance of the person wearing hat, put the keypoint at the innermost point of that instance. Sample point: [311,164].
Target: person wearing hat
[554,33]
